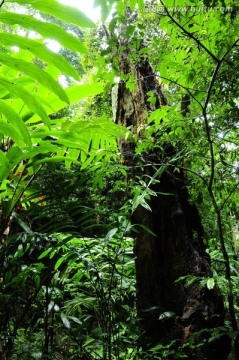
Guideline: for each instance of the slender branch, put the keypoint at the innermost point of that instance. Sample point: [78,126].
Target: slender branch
[188,89]
[207,127]
[184,87]
[215,72]
[190,34]
[2,3]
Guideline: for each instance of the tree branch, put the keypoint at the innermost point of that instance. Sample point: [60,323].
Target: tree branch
[190,34]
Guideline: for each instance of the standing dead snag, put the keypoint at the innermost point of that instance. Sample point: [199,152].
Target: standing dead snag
[167,309]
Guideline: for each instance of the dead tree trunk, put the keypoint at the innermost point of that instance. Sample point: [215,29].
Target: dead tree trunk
[177,248]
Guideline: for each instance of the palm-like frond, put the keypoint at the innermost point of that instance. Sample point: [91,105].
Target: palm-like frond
[30,92]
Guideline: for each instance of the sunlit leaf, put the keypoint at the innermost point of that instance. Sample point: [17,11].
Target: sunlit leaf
[39,50]
[31,101]
[47,30]
[36,73]
[210,283]
[16,121]
[64,12]
[66,322]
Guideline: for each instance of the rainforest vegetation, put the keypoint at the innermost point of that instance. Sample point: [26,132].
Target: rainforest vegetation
[119,170]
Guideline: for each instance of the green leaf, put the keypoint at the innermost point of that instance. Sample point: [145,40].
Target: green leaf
[110,234]
[15,120]
[132,4]
[66,13]
[74,93]
[4,166]
[47,30]
[60,261]
[31,101]
[158,115]
[37,280]
[36,73]
[52,159]
[9,131]
[145,228]
[140,200]
[166,315]
[75,319]
[73,154]
[210,283]
[40,51]
[23,225]
[66,322]
[105,8]
[44,254]
[14,156]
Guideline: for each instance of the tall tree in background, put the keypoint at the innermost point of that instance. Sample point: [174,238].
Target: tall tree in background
[171,245]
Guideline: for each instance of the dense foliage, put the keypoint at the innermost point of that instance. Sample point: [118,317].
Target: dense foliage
[67,283]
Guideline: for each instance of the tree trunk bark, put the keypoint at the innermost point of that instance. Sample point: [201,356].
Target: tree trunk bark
[167,310]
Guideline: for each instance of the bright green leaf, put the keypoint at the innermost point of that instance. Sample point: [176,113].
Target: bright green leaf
[36,73]
[210,283]
[40,51]
[15,120]
[47,30]
[66,13]
[31,101]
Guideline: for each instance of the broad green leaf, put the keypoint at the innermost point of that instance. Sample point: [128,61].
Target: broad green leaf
[59,135]
[44,254]
[140,4]
[38,150]
[132,4]
[9,131]
[74,93]
[16,121]
[158,115]
[36,73]
[60,261]
[39,50]
[66,13]
[53,159]
[79,92]
[73,154]
[47,30]
[31,101]
[14,156]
